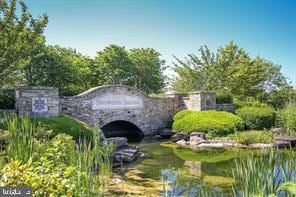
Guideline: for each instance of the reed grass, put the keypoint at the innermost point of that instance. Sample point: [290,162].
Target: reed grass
[21,133]
[262,175]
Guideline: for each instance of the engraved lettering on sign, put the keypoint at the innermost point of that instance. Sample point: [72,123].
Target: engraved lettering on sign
[117,101]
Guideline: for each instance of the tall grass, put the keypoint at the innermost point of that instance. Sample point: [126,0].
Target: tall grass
[262,175]
[21,138]
[94,165]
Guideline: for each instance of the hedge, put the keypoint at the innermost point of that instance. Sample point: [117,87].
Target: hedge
[213,123]
[287,118]
[224,97]
[257,118]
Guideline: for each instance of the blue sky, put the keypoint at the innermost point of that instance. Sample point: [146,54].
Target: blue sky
[265,28]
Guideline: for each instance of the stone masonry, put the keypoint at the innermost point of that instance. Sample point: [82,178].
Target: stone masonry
[106,104]
[37,101]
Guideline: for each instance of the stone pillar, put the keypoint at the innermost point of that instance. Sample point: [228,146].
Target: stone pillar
[202,101]
[37,101]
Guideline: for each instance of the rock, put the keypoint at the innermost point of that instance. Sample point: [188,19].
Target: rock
[278,131]
[260,145]
[282,144]
[211,145]
[156,137]
[165,132]
[291,140]
[119,142]
[126,154]
[194,140]
[198,134]
[180,136]
[181,142]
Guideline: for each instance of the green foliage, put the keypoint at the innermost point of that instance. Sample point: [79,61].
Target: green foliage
[3,138]
[20,35]
[262,175]
[182,114]
[224,97]
[66,124]
[21,133]
[249,137]
[214,123]
[287,118]
[57,167]
[44,177]
[6,101]
[113,66]
[147,69]
[225,69]
[257,117]
[289,186]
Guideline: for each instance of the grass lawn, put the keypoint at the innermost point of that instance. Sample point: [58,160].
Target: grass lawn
[66,124]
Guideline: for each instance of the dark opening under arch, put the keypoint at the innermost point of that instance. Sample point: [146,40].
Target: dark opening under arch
[122,128]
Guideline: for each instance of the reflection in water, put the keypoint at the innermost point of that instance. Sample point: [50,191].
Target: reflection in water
[182,172]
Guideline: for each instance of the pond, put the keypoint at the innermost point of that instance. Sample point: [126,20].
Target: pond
[164,170]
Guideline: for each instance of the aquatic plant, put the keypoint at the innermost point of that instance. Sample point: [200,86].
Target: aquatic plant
[21,133]
[263,174]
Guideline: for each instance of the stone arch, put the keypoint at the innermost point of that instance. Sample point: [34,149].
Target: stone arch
[122,128]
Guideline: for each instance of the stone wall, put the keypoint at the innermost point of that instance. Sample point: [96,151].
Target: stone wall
[106,104]
[226,107]
[37,101]
[151,115]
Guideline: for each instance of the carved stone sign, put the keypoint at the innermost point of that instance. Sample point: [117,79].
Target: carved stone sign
[117,101]
[39,105]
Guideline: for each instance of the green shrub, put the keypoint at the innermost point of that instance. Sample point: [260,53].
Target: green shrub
[66,124]
[249,137]
[257,117]
[213,123]
[7,101]
[287,118]
[45,177]
[224,97]
[182,114]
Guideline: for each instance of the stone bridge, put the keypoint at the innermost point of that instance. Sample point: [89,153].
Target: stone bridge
[117,109]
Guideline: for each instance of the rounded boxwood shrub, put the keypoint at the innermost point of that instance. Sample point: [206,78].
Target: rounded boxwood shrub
[257,117]
[213,123]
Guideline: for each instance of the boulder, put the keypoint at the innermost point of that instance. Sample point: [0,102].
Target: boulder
[260,145]
[181,142]
[282,144]
[119,142]
[165,132]
[180,136]
[126,154]
[291,140]
[194,140]
[278,131]
[198,134]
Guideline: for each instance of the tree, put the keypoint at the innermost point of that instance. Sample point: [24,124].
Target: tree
[148,70]
[55,66]
[229,68]
[18,37]
[113,66]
